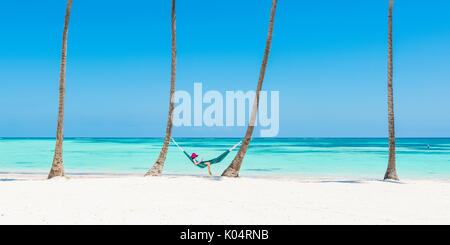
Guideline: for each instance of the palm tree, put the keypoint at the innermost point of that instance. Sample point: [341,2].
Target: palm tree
[157,168]
[235,166]
[58,166]
[391,172]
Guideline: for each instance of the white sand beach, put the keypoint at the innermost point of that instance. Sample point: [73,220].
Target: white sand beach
[28,199]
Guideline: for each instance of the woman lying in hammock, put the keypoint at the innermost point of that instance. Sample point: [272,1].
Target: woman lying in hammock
[203,164]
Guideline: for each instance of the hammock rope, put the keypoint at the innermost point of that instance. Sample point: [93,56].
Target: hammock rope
[212,161]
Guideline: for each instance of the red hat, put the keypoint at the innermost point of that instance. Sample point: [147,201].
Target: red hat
[193,156]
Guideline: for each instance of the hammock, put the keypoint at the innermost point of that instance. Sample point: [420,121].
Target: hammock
[212,161]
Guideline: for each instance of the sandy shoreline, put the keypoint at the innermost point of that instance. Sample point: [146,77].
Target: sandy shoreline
[107,199]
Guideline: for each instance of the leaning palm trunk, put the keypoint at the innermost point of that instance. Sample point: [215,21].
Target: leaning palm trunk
[157,168]
[391,172]
[58,166]
[235,166]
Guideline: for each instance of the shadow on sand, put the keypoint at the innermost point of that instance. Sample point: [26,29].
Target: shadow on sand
[359,181]
[342,181]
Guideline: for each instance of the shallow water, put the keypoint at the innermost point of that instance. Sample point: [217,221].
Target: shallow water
[304,157]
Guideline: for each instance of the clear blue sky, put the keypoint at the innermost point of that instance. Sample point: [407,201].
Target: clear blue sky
[328,60]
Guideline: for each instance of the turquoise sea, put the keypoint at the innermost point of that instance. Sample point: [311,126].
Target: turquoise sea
[422,158]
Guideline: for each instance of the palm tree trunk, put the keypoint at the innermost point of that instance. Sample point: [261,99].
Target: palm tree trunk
[391,172]
[157,168]
[235,166]
[57,165]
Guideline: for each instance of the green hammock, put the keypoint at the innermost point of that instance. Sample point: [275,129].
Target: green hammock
[212,161]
